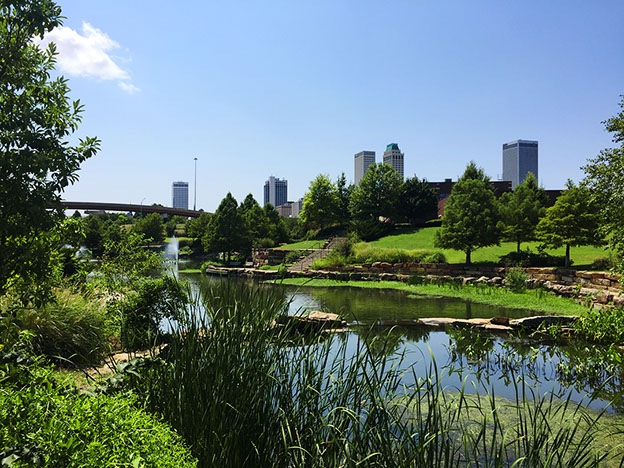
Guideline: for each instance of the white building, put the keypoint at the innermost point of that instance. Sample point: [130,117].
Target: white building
[179,195]
[275,191]
[394,157]
[363,161]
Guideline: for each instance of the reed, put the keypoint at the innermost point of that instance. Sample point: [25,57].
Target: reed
[245,393]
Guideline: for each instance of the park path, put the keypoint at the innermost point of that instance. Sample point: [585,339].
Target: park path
[304,263]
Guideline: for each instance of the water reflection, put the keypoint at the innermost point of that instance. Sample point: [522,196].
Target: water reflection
[466,358]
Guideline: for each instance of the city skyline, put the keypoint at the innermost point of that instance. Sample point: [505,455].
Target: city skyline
[245,100]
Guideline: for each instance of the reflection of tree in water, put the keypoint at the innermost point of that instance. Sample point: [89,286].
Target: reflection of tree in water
[599,368]
[487,356]
[383,341]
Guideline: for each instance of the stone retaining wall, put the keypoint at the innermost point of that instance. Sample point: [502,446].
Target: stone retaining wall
[600,281]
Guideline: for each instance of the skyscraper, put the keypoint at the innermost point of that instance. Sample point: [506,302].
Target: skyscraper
[394,157]
[179,195]
[363,160]
[519,158]
[275,191]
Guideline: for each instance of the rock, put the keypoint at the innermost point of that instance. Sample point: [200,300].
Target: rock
[534,323]
[468,280]
[499,321]
[483,279]
[496,280]
[314,321]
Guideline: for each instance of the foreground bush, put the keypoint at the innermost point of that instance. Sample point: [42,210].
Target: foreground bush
[72,327]
[244,393]
[42,424]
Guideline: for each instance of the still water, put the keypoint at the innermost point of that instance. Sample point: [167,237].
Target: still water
[463,358]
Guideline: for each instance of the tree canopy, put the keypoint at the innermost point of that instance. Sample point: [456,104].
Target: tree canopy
[226,231]
[37,161]
[417,201]
[572,221]
[151,227]
[470,215]
[605,179]
[521,210]
[320,203]
[377,194]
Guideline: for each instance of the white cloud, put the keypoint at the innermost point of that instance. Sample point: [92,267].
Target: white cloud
[88,55]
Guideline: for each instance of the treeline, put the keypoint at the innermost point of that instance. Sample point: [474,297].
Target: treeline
[474,218]
[370,207]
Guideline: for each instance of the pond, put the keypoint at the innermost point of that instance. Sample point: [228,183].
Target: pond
[464,358]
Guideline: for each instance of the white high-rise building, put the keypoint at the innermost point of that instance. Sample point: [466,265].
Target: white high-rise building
[394,157]
[179,195]
[275,191]
[363,161]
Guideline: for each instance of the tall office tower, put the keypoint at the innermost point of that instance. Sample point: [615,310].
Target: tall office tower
[363,160]
[519,158]
[179,195]
[394,157]
[275,191]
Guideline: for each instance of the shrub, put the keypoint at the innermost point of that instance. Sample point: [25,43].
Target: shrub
[44,424]
[526,258]
[293,255]
[73,327]
[333,260]
[369,230]
[142,312]
[603,326]
[603,263]
[265,243]
[515,280]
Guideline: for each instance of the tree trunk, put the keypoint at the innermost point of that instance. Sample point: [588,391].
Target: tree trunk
[468,257]
[518,247]
[567,259]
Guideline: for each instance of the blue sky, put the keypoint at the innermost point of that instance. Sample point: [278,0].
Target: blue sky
[294,89]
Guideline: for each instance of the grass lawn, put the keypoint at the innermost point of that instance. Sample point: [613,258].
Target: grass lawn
[168,239]
[546,303]
[305,245]
[422,238]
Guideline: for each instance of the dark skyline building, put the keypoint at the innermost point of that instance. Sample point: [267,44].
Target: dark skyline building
[275,191]
[519,158]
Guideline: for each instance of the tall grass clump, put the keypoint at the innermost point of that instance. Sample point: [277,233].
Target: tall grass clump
[244,392]
[366,253]
[72,327]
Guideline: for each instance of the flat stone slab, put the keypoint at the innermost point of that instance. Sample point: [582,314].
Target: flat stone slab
[314,321]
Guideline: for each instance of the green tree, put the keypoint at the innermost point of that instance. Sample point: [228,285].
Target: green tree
[320,203]
[277,229]
[377,194]
[226,232]
[197,227]
[343,192]
[470,215]
[37,161]
[417,201]
[521,210]
[255,219]
[151,227]
[572,221]
[605,178]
